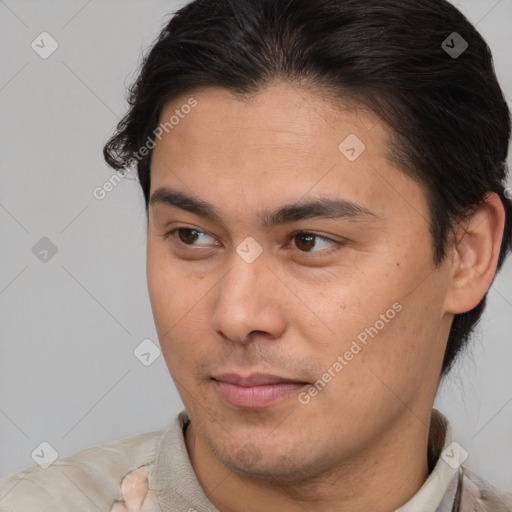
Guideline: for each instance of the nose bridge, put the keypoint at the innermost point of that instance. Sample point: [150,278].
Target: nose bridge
[246,299]
[243,284]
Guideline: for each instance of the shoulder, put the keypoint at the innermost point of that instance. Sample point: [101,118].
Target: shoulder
[487,497]
[89,479]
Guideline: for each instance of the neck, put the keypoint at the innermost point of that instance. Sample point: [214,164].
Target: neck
[381,479]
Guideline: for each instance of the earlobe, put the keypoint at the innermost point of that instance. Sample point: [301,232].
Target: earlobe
[475,255]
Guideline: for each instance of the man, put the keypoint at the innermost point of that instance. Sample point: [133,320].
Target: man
[325,188]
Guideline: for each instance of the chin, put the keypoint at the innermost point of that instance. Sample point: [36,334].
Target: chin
[268,461]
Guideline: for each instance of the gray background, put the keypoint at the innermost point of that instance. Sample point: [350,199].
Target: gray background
[69,326]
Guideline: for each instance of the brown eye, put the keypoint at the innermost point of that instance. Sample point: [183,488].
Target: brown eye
[305,242]
[187,235]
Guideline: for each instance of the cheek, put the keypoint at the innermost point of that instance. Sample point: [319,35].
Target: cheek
[356,305]
[162,295]
[395,353]
[178,304]
[171,291]
[385,318]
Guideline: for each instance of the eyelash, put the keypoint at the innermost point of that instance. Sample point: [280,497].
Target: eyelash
[290,238]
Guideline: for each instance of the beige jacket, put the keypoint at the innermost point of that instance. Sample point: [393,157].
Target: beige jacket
[151,472]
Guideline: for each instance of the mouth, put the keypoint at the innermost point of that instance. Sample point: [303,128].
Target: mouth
[256,390]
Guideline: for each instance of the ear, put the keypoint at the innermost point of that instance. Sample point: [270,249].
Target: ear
[474,255]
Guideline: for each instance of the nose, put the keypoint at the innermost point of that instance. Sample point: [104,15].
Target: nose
[250,299]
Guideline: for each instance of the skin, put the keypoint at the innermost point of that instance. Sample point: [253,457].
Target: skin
[361,443]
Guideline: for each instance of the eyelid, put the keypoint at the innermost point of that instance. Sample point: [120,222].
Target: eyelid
[170,233]
[336,244]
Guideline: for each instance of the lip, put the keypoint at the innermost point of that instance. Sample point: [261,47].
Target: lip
[256,390]
[255,379]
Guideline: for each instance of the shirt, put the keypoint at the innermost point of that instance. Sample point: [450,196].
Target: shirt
[151,472]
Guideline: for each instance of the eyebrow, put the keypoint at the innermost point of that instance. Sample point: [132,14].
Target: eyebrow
[321,207]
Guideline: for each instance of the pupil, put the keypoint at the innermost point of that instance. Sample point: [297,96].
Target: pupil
[307,237]
[184,238]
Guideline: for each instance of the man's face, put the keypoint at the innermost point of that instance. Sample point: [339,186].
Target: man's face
[350,312]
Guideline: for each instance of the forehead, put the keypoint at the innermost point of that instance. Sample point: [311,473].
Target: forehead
[278,146]
[276,114]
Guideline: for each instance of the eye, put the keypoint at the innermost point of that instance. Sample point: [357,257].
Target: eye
[307,241]
[186,236]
